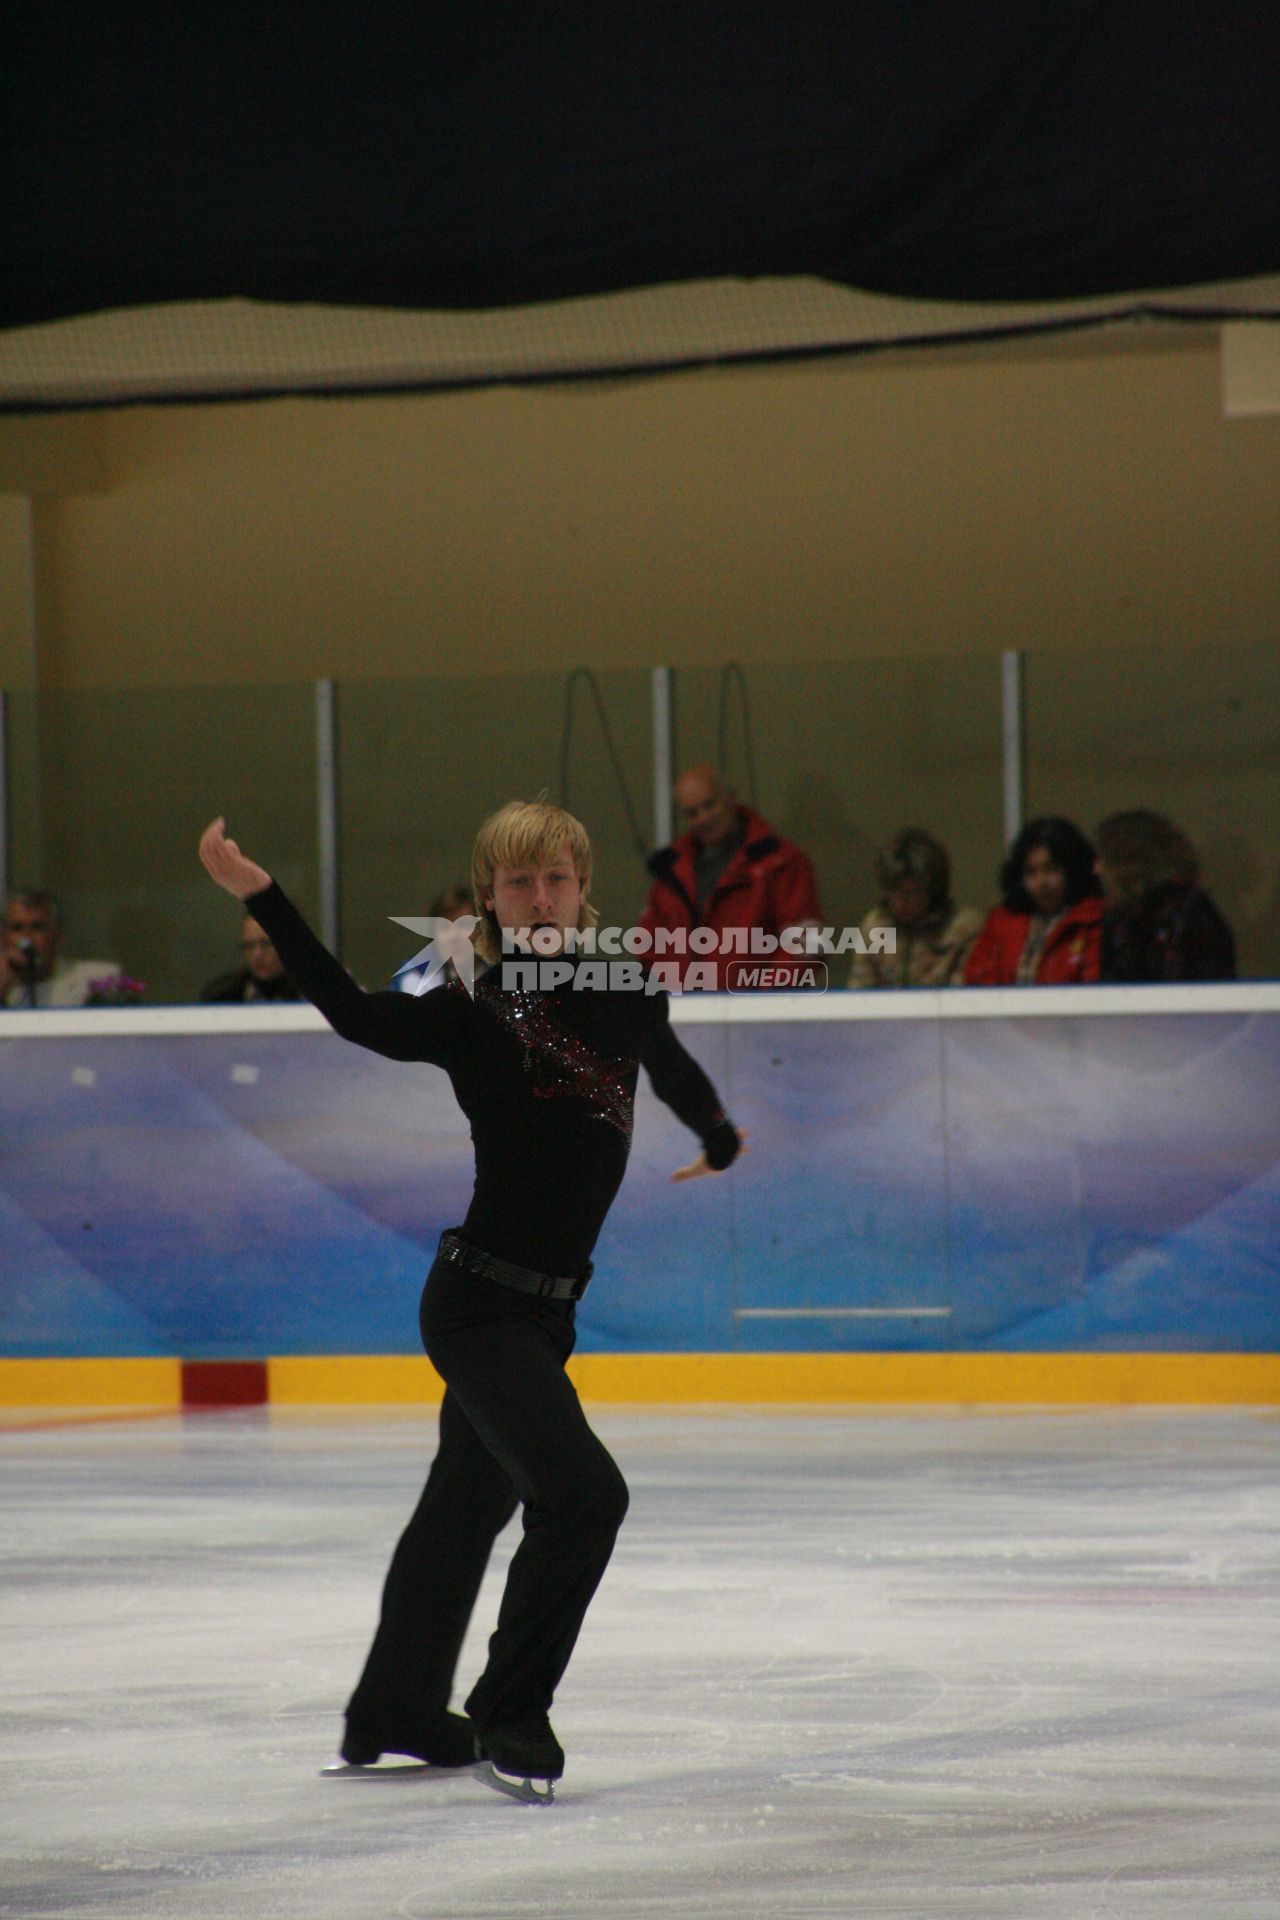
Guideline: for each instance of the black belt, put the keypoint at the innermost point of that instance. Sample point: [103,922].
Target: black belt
[548,1286]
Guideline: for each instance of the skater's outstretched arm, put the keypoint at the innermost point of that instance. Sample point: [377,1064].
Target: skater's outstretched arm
[678,1080]
[395,1024]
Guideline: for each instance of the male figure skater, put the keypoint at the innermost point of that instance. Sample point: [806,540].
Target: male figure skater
[547,1081]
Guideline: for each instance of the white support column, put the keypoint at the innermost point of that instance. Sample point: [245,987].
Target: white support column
[662,755]
[1013,735]
[327,811]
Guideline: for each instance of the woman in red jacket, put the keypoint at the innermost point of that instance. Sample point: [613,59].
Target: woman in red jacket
[1048,930]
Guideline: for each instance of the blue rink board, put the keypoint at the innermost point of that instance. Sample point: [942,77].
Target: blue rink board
[1030,1184]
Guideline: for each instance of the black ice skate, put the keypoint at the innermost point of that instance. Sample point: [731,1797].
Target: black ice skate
[522,1759]
[447,1741]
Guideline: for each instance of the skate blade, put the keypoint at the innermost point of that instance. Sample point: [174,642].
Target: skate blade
[514,1787]
[341,1769]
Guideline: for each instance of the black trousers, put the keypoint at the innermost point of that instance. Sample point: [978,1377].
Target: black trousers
[512,1431]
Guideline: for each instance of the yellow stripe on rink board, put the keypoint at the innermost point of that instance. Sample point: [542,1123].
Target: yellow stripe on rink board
[352,1379]
[835,1379]
[933,1379]
[985,1379]
[91,1383]
[675,1379]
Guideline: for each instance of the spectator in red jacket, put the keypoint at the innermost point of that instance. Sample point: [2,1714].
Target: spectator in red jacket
[730,870]
[1048,929]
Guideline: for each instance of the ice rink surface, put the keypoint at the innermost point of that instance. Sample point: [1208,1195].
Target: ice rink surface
[961,1665]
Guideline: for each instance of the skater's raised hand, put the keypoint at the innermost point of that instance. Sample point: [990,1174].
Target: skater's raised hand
[696,1168]
[226,864]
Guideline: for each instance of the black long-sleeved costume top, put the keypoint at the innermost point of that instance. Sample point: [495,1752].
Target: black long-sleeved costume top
[547,1081]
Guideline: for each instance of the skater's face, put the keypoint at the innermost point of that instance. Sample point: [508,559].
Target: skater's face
[545,899]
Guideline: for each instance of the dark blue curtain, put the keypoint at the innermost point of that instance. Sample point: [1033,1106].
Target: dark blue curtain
[460,154]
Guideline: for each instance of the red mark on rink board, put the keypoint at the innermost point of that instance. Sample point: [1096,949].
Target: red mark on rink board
[224,1383]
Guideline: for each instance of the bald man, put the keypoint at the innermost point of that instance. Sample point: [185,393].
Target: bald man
[729,869]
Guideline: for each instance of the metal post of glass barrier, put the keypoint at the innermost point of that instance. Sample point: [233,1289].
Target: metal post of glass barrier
[662,754]
[327,810]
[1014,740]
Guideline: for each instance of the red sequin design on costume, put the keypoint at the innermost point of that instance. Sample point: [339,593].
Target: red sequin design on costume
[563,1065]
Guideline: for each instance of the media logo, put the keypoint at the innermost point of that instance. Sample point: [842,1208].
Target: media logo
[446,940]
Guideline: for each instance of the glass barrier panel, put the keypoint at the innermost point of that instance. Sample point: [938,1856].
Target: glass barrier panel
[846,752]
[422,763]
[1190,732]
[110,791]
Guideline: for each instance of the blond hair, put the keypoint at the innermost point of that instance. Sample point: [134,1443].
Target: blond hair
[525,833]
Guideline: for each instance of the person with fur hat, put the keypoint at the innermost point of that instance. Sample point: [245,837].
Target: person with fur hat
[930,938]
[1160,924]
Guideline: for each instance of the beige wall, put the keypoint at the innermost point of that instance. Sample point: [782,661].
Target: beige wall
[1076,499]
[1043,499]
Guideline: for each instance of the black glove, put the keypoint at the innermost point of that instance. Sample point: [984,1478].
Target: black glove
[721,1145]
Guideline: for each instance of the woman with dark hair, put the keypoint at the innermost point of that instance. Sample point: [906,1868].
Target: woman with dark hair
[1160,923]
[1047,931]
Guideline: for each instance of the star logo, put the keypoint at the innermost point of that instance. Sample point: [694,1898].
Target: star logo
[446,940]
